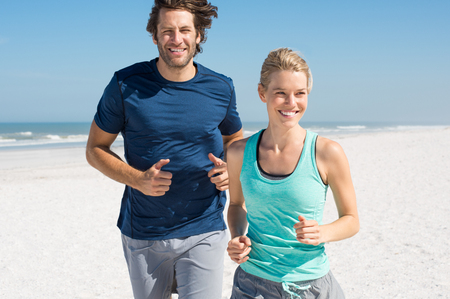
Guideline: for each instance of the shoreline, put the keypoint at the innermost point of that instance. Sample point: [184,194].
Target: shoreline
[37,136]
[39,156]
[60,240]
[23,157]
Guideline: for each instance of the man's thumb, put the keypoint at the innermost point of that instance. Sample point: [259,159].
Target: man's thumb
[215,160]
[161,163]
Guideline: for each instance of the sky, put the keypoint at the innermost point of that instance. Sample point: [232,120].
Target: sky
[372,61]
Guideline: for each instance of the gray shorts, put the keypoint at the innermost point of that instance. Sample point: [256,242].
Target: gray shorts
[190,266]
[249,286]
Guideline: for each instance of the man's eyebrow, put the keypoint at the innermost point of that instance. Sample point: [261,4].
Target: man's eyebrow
[163,26]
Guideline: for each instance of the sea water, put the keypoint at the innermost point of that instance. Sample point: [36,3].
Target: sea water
[16,136]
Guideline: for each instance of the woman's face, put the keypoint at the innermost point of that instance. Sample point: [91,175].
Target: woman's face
[286,97]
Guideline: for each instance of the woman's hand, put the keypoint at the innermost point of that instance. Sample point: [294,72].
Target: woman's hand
[239,248]
[308,231]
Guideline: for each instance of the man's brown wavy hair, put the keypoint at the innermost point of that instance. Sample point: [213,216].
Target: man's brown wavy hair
[202,10]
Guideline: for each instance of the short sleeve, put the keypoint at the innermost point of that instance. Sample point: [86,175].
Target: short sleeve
[232,122]
[110,114]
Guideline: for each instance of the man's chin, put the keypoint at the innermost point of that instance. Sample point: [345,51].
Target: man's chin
[177,63]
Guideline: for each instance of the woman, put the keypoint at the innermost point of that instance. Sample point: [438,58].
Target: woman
[278,183]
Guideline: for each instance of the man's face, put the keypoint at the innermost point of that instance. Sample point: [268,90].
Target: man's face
[176,37]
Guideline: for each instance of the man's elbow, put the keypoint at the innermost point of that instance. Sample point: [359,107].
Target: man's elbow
[235,137]
[92,153]
[89,155]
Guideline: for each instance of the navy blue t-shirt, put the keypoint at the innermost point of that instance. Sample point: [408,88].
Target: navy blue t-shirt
[180,121]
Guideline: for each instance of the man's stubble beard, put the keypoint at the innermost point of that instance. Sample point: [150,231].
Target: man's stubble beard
[170,63]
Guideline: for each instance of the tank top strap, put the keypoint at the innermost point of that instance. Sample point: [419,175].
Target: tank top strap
[310,154]
[251,148]
[309,147]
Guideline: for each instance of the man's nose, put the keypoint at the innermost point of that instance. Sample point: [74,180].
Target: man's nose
[176,37]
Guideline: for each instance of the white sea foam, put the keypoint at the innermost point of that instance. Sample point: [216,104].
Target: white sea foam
[26,133]
[353,128]
[44,140]
[7,140]
[53,137]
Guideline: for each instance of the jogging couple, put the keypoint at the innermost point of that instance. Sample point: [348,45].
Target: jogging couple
[179,121]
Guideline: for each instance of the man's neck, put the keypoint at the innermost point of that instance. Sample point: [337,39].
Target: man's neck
[176,74]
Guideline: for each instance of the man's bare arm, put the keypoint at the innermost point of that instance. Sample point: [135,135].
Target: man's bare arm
[99,155]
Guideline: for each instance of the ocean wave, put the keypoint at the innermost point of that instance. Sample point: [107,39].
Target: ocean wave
[25,133]
[351,127]
[7,140]
[53,137]
[43,140]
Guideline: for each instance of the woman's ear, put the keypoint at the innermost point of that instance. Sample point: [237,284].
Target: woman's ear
[262,93]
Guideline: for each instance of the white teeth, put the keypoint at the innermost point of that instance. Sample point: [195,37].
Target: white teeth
[288,113]
[177,50]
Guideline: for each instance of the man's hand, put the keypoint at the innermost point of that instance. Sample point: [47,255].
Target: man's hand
[308,231]
[219,174]
[154,181]
[239,248]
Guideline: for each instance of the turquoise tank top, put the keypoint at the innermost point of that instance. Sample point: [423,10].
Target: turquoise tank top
[273,207]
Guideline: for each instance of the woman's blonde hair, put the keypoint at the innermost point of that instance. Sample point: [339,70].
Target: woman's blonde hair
[284,59]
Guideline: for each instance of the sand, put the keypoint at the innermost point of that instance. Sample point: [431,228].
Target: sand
[59,237]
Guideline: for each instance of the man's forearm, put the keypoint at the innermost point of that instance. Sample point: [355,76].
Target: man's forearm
[110,164]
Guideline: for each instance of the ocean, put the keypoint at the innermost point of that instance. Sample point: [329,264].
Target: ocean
[20,136]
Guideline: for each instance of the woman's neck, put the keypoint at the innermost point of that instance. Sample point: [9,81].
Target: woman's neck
[278,137]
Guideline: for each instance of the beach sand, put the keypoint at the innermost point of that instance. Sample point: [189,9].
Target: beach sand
[59,237]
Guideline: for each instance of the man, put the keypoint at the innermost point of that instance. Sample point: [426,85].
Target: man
[177,118]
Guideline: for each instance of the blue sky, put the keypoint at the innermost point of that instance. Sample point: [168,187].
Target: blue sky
[371,60]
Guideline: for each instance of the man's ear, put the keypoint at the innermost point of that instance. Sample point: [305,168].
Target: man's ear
[262,93]
[154,39]
[197,40]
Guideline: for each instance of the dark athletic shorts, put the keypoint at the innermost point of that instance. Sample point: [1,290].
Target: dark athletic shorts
[249,286]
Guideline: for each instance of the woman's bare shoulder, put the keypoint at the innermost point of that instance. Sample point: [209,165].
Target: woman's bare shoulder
[327,149]
[237,148]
